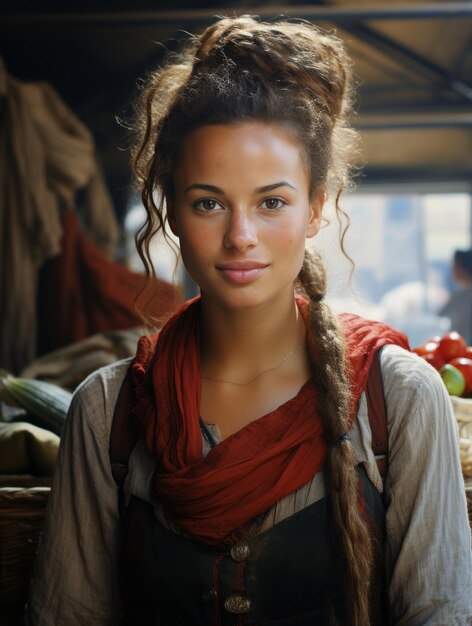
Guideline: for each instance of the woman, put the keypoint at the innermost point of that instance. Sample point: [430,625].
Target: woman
[252,495]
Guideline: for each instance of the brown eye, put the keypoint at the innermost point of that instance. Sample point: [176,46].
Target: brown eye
[207,205]
[273,204]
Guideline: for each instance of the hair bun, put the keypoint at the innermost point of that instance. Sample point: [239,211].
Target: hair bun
[293,53]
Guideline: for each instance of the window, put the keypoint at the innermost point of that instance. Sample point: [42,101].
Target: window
[402,246]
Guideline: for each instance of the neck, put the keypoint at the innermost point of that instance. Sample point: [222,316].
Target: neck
[237,345]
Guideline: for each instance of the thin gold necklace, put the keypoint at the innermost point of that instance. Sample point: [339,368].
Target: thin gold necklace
[270,369]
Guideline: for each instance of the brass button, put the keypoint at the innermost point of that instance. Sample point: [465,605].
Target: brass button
[237,604]
[240,552]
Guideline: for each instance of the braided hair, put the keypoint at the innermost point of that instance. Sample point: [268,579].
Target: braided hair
[295,75]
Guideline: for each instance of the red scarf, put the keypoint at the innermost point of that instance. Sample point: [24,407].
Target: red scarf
[248,472]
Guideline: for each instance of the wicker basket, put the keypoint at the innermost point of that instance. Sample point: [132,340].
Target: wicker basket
[468,495]
[22,513]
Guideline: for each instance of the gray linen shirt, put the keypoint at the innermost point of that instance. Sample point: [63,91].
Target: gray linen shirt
[428,554]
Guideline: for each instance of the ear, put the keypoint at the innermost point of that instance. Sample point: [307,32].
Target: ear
[316,211]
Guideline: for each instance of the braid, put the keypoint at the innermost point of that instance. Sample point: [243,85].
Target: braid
[332,382]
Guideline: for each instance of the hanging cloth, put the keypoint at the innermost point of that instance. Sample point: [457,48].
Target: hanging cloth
[84,293]
[46,156]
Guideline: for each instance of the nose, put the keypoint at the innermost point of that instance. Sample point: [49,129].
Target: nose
[240,233]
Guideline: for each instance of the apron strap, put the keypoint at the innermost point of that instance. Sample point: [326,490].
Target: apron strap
[377,411]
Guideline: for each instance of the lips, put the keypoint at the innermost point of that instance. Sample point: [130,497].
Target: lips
[241,272]
[241,265]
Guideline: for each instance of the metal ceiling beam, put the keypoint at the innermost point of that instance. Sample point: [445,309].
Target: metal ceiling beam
[417,119]
[335,14]
[385,176]
[415,60]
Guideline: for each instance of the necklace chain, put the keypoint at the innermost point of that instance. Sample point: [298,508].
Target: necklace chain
[270,369]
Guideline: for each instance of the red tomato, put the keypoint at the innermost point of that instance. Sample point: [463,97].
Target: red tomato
[464,365]
[451,346]
[468,352]
[434,359]
[426,348]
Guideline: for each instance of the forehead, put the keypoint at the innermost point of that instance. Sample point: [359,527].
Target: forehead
[249,151]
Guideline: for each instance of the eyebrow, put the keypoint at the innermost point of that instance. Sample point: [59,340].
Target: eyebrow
[264,189]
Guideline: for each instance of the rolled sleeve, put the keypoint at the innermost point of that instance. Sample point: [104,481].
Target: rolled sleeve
[428,547]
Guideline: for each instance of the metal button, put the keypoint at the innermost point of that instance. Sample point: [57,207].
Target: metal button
[237,604]
[240,552]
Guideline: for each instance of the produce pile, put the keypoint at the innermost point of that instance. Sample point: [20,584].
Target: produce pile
[32,414]
[452,357]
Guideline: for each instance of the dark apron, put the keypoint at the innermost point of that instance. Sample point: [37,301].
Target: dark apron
[291,574]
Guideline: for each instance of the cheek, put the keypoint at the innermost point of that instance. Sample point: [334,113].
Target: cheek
[292,243]
[195,242]
[192,259]
[292,236]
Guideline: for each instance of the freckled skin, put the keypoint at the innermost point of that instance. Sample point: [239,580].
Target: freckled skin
[235,220]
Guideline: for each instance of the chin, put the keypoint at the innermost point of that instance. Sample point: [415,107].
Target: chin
[246,299]
[238,303]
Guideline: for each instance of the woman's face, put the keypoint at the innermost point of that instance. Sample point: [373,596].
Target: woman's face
[242,211]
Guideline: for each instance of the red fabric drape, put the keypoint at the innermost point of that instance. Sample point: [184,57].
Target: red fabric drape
[82,292]
[251,470]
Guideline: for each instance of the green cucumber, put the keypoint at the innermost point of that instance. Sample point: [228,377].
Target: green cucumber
[47,403]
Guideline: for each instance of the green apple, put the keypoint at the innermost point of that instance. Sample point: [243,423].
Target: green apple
[453,379]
